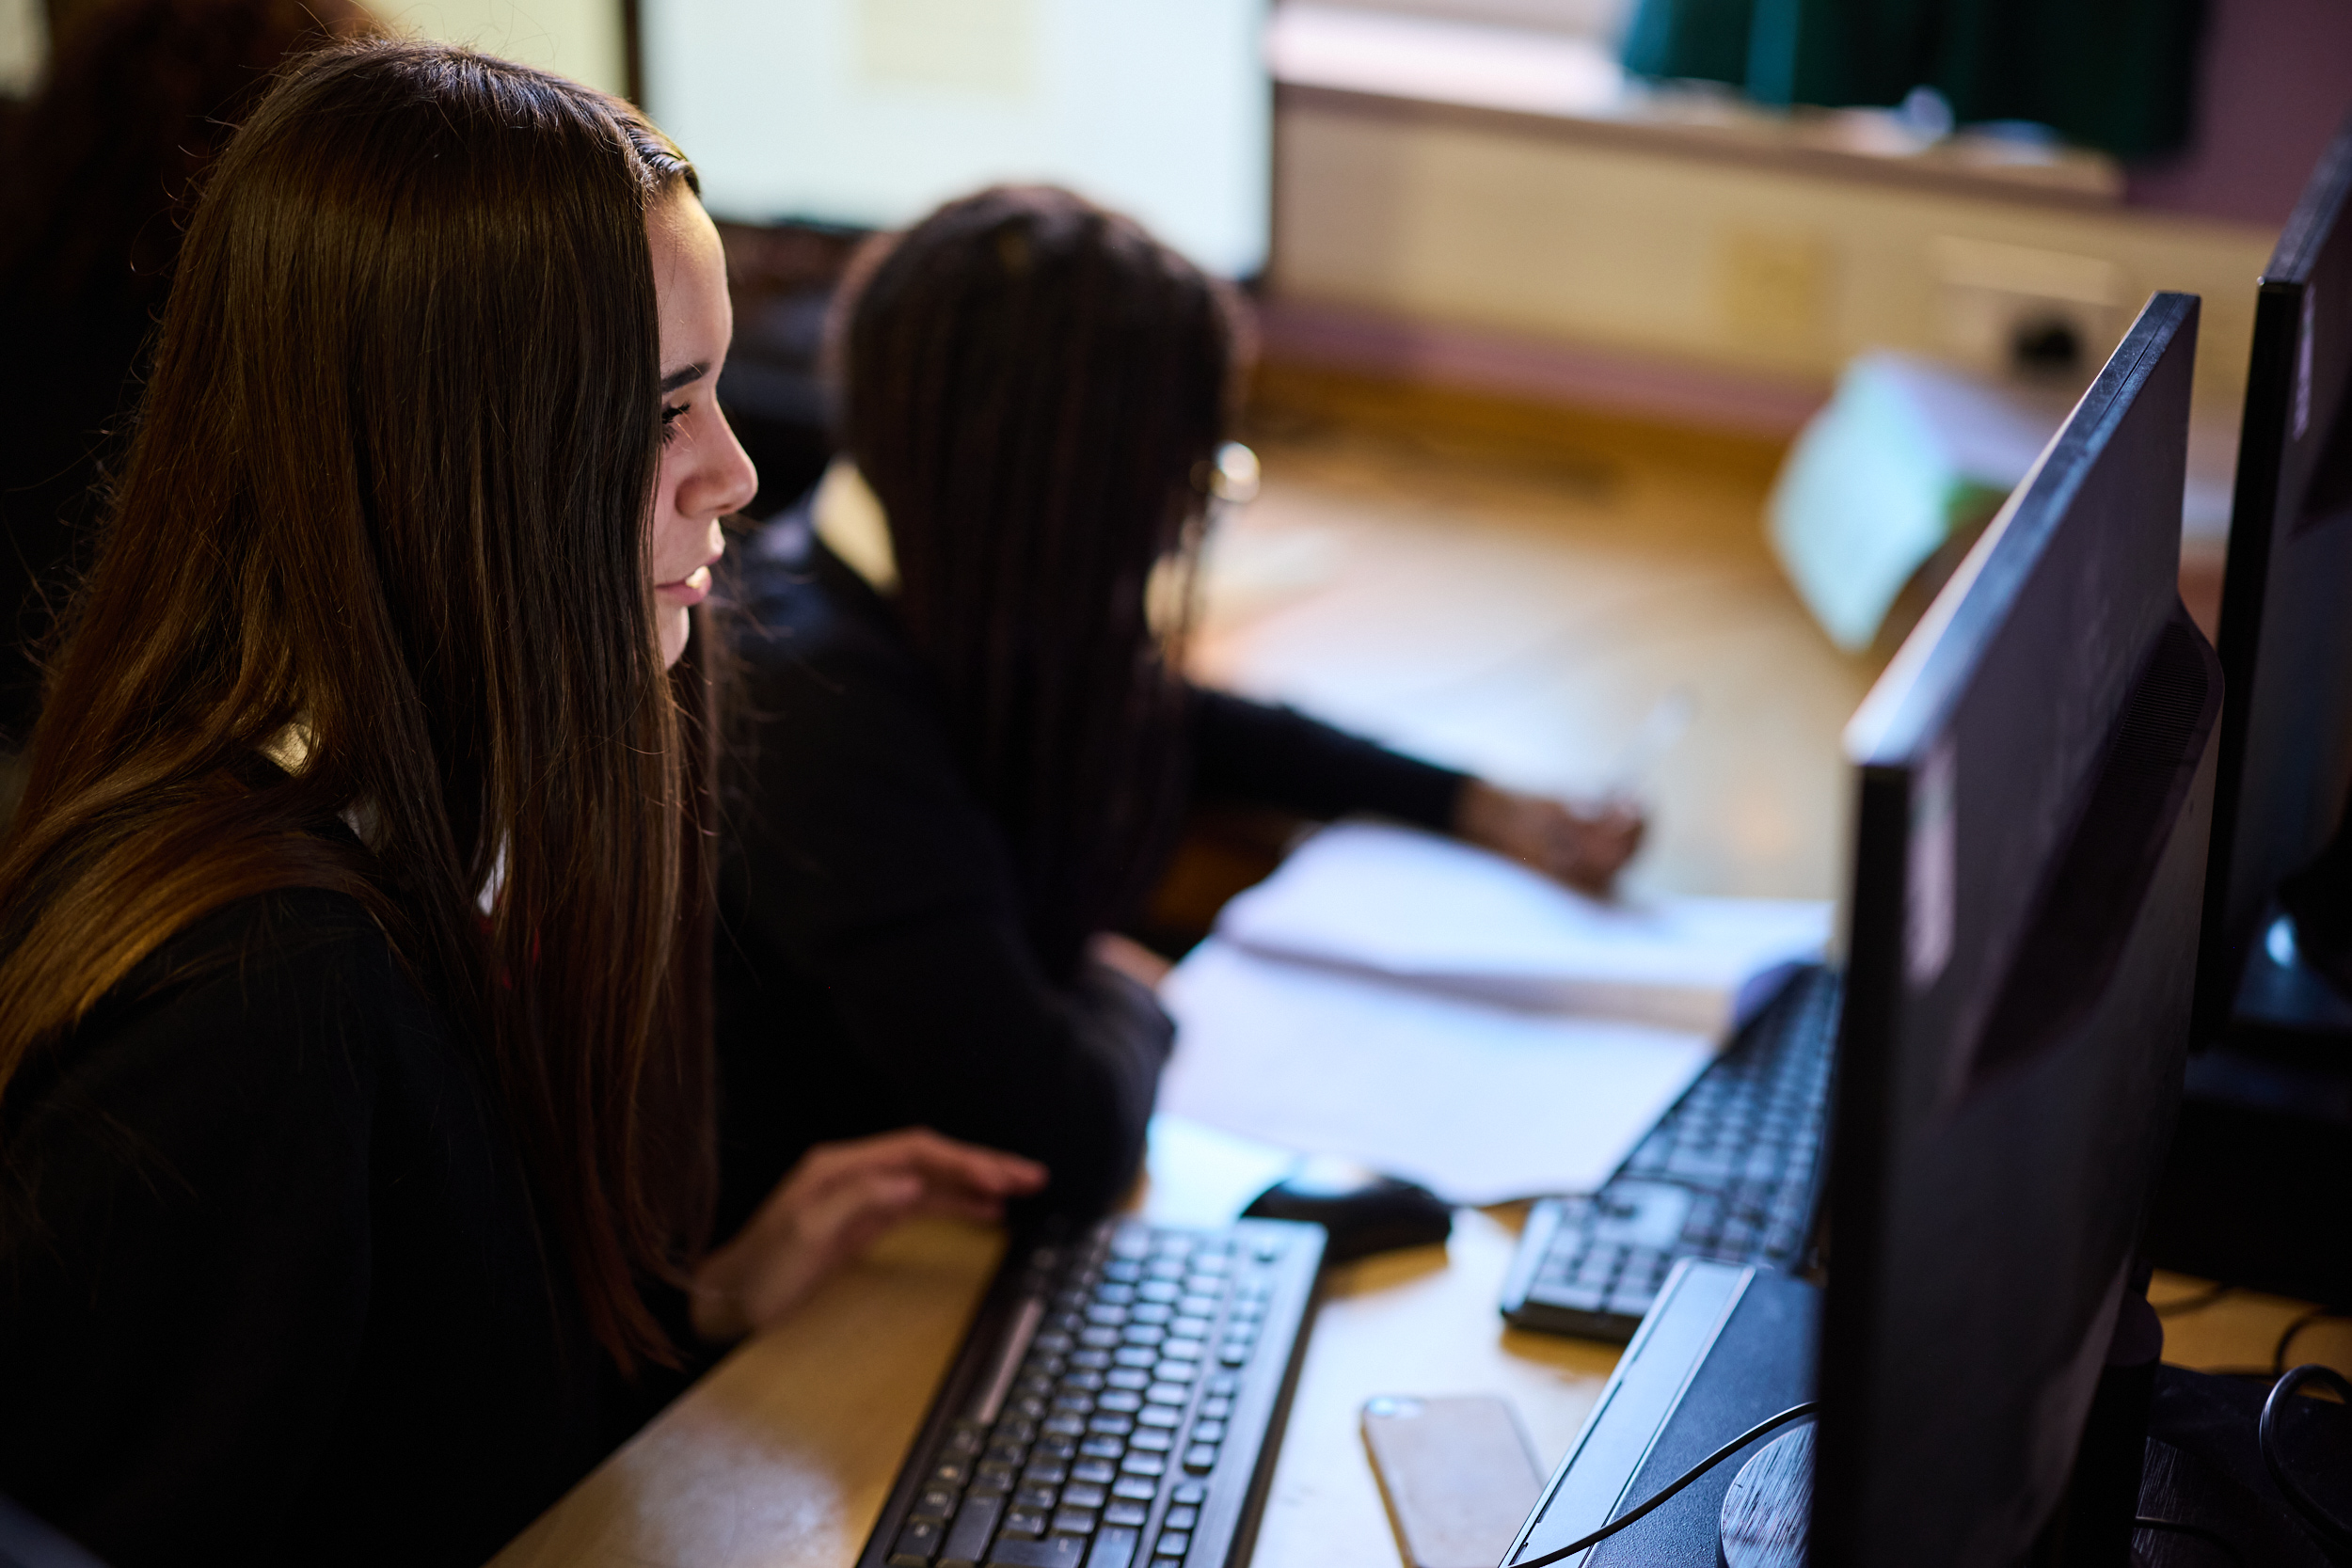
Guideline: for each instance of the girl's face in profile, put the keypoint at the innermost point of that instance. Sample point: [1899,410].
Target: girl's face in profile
[705,474]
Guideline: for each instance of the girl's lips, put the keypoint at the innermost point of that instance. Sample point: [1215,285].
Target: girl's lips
[688,591]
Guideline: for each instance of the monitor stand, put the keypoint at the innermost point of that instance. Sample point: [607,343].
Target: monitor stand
[1769,1511]
[2259,1177]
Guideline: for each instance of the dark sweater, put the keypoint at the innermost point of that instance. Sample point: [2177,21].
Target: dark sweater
[270,1284]
[873,969]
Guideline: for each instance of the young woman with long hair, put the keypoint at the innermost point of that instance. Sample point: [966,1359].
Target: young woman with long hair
[354,1124]
[966,756]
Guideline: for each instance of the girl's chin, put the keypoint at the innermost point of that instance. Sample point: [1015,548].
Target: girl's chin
[671,624]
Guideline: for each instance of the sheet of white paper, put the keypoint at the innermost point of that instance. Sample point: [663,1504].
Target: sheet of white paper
[1479,1103]
[1447,916]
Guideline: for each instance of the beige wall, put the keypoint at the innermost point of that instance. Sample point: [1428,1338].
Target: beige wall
[580,38]
[1738,267]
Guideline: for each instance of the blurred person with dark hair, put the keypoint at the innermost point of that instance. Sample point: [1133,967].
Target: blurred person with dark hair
[96,171]
[356,1134]
[968,748]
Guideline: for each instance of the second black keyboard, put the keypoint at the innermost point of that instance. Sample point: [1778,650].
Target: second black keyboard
[1733,1172]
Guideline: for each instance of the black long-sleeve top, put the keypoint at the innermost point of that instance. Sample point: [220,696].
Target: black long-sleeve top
[271,1288]
[873,970]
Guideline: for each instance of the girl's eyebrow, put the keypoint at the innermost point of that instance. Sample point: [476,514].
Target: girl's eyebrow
[677,378]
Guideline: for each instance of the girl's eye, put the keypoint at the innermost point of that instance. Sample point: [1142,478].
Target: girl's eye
[669,422]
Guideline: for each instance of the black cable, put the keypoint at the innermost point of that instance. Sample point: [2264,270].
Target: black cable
[1793,1413]
[2327,1525]
[2278,1357]
[2200,1532]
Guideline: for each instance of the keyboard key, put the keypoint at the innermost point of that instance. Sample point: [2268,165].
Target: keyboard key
[1113,1293]
[964,1441]
[1023,1521]
[1164,1291]
[1572,1298]
[967,1538]
[1175,1371]
[1200,1457]
[1054,1551]
[1030,1494]
[1215,1409]
[1051,1343]
[1152,1440]
[1144,1355]
[996,1472]
[1065,1426]
[1004,1452]
[1192,1493]
[1097,1463]
[1171,1543]
[1111,1425]
[1093,1358]
[1144,1464]
[1045,1472]
[1192,1328]
[1159,1415]
[1085,1494]
[1167,1393]
[1125,1513]
[1127,1377]
[1125,1400]
[1114,1547]
[1198,1307]
[1142,1334]
[953,1472]
[1224,1382]
[1105,1315]
[1134,1489]
[1100,1338]
[1152,1312]
[1232,1354]
[1181,1518]
[1208,1431]
[1176,1350]
[1074,1521]
[917,1543]
[1057,1450]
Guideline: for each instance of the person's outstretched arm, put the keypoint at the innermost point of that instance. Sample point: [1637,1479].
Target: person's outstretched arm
[1277,756]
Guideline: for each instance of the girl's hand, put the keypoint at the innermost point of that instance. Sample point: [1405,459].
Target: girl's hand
[833,1205]
[1585,852]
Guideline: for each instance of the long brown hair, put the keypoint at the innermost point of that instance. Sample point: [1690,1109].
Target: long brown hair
[1035,389]
[391,484]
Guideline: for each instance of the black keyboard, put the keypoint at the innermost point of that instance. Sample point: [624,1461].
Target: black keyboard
[1733,1173]
[1115,1405]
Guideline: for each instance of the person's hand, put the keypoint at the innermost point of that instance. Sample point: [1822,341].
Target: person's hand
[1585,852]
[1129,957]
[833,1205]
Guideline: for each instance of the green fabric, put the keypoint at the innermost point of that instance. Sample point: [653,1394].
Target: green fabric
[2113,74]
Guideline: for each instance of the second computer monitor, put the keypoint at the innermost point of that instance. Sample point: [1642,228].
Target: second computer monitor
[2286,609]
[2035,781]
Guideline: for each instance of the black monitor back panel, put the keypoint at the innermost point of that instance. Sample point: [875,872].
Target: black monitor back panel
[2286,605]
[2035,795]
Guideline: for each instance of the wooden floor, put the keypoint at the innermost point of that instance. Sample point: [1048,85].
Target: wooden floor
[1511,591]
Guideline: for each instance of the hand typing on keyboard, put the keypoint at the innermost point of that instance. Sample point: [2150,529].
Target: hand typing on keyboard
[833,1205]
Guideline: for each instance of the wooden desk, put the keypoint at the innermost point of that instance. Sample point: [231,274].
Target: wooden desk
[1512,612]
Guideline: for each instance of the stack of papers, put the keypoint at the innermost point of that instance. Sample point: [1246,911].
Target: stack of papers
[1442,1014]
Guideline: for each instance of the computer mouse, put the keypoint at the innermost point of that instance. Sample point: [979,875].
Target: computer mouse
[1364,1210]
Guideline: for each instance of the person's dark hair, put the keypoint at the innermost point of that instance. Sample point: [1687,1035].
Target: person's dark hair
[390,487]
[1035,389]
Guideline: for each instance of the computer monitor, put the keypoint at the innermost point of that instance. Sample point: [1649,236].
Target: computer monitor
[869,113]
[2035,786]
[2286,623]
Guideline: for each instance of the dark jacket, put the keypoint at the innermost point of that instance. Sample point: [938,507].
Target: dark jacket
[873,969]
[271,1288]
